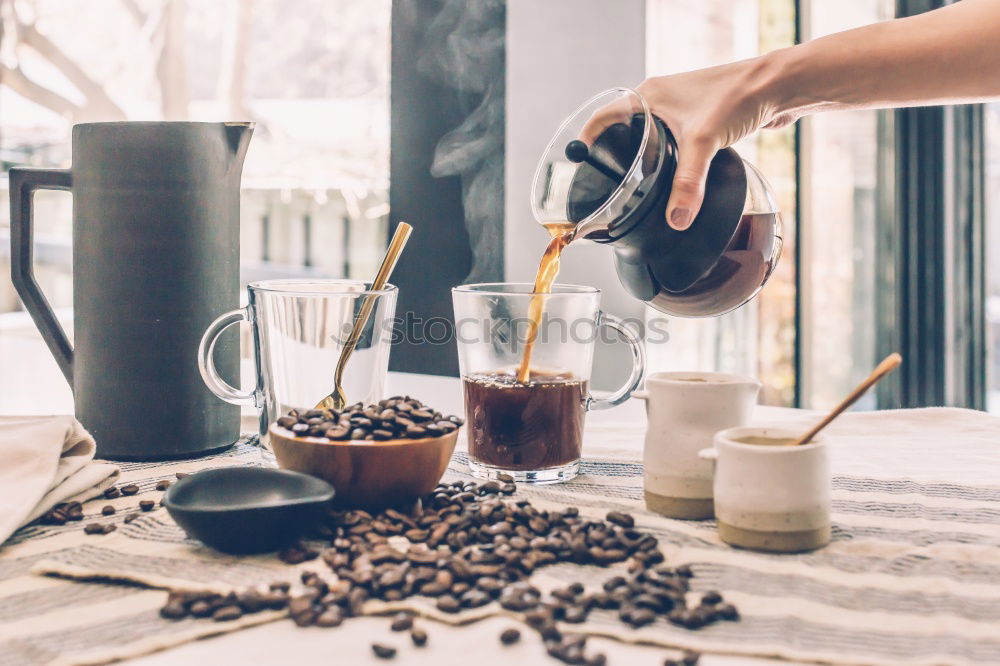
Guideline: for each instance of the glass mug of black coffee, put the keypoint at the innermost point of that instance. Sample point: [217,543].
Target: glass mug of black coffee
[531,426]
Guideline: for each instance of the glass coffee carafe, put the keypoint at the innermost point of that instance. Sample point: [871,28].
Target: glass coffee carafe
[607,174]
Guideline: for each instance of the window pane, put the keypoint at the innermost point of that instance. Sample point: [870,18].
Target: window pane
[840,166]
[759,338]
[993,255]
[313,75]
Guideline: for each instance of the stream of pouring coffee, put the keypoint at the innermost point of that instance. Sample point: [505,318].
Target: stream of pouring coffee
[548,269]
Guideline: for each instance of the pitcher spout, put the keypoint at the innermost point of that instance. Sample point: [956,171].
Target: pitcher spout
[238,140]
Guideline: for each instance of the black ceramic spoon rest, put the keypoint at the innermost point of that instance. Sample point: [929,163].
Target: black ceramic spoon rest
[248,509]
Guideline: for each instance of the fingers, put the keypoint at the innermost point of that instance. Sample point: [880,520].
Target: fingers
[619,111]
[688,191]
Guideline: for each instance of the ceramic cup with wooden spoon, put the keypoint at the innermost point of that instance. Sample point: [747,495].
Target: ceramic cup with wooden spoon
[770,496]
[772,485]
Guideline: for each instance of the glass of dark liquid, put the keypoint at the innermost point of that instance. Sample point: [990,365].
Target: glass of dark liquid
[525,359]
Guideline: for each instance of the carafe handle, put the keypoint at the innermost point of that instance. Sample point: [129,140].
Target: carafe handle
[23,183]
[638,364]
[206,361]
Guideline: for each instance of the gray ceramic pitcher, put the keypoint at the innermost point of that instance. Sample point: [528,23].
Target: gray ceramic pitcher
[155,259]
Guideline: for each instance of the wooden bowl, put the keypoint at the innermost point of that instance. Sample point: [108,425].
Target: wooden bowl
[368,474]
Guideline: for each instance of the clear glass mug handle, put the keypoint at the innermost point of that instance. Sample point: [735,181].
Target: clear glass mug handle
[638,364]
[206,363]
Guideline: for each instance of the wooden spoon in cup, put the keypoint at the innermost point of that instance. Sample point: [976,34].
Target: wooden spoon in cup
[888,364]
[337,399]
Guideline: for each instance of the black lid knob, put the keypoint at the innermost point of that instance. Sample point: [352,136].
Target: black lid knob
[577,151]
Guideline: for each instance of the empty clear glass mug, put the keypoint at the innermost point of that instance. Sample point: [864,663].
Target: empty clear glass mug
[298,329]
[530,425]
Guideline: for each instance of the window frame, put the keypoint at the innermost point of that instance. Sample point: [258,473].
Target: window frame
[939,227]
[930,285]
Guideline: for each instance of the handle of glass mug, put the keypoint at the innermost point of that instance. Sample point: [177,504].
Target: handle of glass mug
[206,361]
[638,364]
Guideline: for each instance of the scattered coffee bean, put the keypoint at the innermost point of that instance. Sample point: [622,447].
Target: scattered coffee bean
[622,519]
[130,489]
[419,637]
[227,614]
[448,604]
[383,651]
[181,475]
[300,604]
[62,513]
[490,487]
[147,505]
[53,517]
[401,622]
[173,610]
[107,510]
[112,492]
[727,612]
[130,517]
[331,617]
[162,485]
[465,545]
[690,658]
[711,598]
[98,528]
[636,617]
[510,636]
[475,598]
[251,601]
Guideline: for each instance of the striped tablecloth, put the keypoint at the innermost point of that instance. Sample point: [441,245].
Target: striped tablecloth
[912,575]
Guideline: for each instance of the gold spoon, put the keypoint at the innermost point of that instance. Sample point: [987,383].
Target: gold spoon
[337,399]
[888,364]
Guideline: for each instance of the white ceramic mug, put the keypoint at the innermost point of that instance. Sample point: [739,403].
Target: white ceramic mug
[685,410]
[768,495]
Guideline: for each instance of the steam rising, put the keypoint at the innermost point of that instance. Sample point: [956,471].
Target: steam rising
[464,50]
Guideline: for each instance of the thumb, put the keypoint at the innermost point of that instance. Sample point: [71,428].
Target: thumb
[689,182]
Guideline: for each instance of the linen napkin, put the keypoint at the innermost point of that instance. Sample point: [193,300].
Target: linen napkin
[45,460]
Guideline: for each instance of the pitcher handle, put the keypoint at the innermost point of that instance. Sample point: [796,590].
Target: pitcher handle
[206,361]
[638,364]
[23,183]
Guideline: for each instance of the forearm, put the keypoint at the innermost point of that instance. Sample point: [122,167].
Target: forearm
[950,55]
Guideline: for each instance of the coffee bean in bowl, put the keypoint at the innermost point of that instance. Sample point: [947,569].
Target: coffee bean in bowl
[379,455]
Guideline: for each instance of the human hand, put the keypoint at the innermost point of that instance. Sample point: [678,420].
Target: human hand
[706,110]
